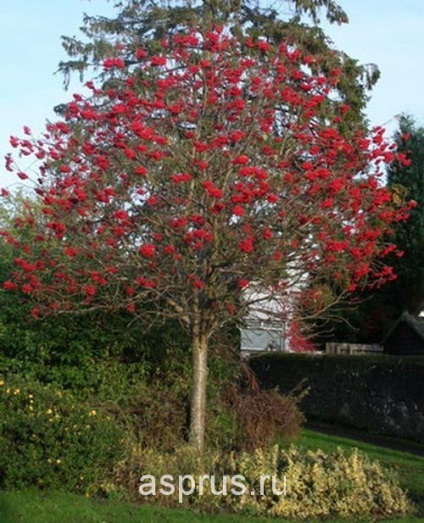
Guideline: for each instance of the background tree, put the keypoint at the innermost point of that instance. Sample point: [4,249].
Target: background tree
[407,181]
[211,181]
[296,22]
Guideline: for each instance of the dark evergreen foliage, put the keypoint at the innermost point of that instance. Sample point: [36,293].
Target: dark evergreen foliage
[146,22]
[408,182]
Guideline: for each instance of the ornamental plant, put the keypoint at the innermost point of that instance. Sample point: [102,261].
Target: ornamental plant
[214,176]
[301,486]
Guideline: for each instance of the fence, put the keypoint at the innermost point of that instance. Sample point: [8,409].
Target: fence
[352,348]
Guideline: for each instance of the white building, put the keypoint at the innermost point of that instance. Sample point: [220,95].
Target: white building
[265,326]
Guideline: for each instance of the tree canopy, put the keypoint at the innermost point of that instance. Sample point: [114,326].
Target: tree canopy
[214,169]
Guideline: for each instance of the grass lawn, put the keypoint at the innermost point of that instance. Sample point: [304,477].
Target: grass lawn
[36,507]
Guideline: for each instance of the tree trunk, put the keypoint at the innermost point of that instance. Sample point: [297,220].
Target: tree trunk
[198,391]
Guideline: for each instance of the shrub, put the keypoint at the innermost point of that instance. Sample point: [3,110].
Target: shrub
[319,485]
[154,416]
[264,416]
[244,417]
[51,439]
[102,379]
[310,485]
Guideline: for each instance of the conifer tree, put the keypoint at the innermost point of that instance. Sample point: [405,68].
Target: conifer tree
[294,22]
[407,181]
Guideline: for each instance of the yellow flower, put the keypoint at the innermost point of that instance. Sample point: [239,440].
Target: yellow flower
[16,392]
[93,413]
[49,411]
[1,383]
[58,461]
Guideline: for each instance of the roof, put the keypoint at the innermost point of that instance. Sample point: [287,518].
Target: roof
[415,322]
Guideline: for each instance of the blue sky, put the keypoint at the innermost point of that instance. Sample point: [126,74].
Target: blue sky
[390,34]
[387,32]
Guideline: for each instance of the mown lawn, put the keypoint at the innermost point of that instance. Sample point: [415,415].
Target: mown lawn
[36,507]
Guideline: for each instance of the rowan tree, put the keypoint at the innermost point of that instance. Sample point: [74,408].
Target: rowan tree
[213,179]
[377,309]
